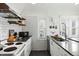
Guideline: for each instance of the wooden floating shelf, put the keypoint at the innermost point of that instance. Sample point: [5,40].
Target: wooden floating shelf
[12,22]
[15,22]
[12,17]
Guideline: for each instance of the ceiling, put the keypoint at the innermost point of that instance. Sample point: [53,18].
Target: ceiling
[48,9]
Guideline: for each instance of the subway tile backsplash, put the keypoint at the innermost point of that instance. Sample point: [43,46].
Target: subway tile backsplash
[5,26]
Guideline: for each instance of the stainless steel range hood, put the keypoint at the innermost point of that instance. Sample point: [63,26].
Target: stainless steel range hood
[6,12]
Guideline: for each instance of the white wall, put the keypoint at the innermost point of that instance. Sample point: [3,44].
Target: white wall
[51,9]
[5,27]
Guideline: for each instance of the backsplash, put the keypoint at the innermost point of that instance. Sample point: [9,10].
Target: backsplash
[5,27]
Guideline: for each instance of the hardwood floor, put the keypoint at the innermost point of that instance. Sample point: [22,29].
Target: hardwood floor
[39,53]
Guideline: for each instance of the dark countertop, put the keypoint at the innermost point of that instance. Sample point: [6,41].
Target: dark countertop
[24,39]
[70,46]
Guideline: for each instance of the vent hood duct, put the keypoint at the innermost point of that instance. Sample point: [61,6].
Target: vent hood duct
[6,12]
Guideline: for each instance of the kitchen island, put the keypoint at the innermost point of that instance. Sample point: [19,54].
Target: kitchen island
[64,48]
[17,48]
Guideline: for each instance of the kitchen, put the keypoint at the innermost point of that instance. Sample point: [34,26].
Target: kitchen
[41,29]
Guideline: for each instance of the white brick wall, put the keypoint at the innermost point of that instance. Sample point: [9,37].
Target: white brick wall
[5,26]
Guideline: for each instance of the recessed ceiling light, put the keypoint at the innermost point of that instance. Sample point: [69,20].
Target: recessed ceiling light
[33,3]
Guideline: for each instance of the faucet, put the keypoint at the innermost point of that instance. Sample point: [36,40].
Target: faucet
[65,31]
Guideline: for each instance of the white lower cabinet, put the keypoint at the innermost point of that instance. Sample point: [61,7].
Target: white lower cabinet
[26,49]
[64,53]
[56,50]
[22,54]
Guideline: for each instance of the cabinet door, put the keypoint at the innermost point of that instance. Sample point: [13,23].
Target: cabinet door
[51,48]
[63,52]
[62,27]
[54,49]
[73,29]
[73,26]
[22,54]
[28,47]
[60,51]
[27,50]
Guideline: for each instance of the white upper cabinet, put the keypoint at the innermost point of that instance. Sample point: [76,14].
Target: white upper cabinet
[17,7]
[73,26]
[62,25]
[54,25]
[66,25]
